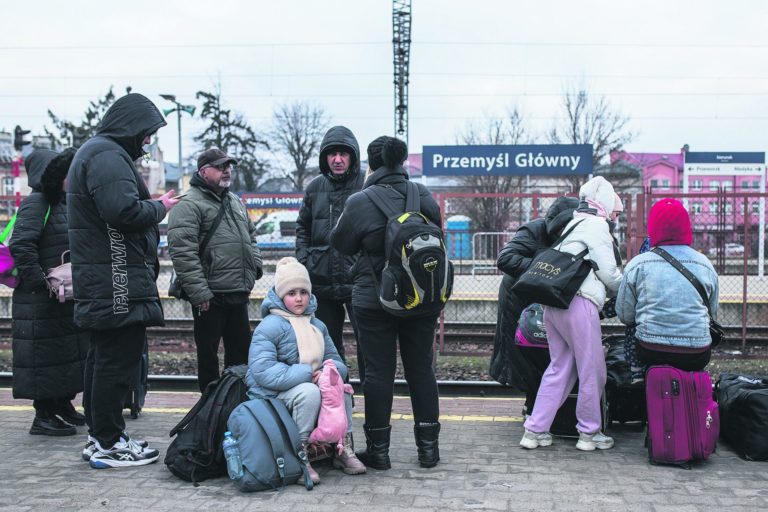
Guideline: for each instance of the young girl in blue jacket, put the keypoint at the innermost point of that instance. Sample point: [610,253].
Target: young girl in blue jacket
[287,352]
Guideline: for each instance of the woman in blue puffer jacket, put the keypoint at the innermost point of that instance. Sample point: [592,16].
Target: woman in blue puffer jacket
[286,355]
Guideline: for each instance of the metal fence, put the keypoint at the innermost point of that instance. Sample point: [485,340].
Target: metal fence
[726,227]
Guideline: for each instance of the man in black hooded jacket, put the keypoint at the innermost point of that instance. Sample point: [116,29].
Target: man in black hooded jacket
[509,364]
[113,237]
[323,204]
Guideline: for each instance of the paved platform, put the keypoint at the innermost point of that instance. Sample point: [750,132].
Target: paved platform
[481,468]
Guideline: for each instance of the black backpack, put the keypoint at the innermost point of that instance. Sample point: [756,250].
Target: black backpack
[196,453]
[418,276]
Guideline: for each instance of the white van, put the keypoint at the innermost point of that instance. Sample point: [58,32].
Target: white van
[277,230]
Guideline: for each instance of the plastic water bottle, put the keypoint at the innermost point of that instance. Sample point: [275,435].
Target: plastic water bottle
[232,454]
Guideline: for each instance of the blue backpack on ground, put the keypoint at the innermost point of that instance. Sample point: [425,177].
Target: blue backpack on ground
[270,448]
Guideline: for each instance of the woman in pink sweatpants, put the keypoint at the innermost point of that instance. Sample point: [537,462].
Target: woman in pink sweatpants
[575,343]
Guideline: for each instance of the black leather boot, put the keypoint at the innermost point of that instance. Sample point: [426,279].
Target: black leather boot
[68,413]
[426,435]
[376,455]
[50,425]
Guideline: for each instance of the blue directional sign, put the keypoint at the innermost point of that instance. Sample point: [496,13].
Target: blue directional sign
[533,159]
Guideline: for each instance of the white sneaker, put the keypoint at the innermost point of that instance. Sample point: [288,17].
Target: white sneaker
[137,445]
[533,440]
[590,442]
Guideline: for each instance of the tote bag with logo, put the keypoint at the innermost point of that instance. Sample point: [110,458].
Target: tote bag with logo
[554,276]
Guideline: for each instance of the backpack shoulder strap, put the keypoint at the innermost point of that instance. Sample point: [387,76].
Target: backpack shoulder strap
[380,200]
[187,419]
[289,427]
[687,273]
[412,199]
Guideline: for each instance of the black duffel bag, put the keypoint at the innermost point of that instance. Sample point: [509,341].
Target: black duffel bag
[626,403]
[743,403]
[554,276]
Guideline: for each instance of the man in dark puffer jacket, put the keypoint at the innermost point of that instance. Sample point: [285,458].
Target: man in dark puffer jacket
[48,350]
[323,204]
[113,237]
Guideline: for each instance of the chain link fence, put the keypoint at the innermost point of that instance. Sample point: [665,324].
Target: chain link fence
[726,227]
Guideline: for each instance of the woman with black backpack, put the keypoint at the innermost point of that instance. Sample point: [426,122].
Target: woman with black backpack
[361,229]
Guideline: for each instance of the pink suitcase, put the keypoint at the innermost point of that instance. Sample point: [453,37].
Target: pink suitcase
[683,419]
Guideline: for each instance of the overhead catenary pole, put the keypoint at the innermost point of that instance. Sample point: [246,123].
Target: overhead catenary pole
[401,46]
[401,50]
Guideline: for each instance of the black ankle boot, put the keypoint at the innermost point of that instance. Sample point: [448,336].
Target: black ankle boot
[68,413]
[426,435]
[50,425]
[376,455]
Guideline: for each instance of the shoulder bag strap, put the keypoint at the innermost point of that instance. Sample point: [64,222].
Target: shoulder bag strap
[564,235]
[687,273]
[12,222]
[578,255]
[7,229]
[214,226]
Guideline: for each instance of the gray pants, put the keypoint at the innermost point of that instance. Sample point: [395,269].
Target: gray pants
[303,401]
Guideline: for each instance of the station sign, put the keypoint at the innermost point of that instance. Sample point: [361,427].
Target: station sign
[725,163]
[505,160]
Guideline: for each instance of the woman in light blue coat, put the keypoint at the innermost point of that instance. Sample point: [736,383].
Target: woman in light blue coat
[286,355]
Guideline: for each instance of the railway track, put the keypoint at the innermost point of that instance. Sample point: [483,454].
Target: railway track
[455,332]
[447,387]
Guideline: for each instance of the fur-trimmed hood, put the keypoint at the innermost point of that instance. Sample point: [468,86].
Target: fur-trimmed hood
[46,172]
[52,181]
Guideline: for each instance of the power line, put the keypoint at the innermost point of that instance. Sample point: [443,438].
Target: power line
[375,74]
[424,95]
[542,44]
[469,118]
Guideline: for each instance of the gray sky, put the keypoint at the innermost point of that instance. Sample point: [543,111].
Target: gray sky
[692,72]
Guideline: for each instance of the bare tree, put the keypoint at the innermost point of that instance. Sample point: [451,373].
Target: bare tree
[495,213]
[590,120]
[297,131]
[231,133]
[74,135]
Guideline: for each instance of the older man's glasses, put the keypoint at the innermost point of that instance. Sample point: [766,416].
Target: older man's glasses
[220,168]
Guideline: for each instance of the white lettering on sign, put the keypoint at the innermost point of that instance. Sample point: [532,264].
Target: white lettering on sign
[502,160]
[540,161]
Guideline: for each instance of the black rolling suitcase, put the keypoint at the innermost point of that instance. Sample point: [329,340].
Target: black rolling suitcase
[564,424]
[138,387]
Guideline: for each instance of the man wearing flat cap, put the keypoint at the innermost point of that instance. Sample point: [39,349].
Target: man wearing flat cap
[219,278]
[324,200]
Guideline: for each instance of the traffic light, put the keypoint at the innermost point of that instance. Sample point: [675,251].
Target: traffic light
[18,138]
